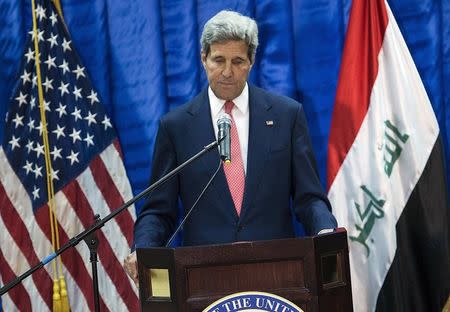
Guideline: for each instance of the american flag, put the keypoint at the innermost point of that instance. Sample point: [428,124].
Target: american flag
[88,175]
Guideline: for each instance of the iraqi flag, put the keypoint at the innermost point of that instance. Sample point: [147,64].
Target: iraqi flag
[386,174]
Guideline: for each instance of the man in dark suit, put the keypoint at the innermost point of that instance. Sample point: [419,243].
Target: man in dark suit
[272,164]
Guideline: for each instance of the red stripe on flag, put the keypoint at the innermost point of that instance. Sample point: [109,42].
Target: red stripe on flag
[111,264]
[18,294]
[18,231]
[118,148]
[359,69]
[71,258]
[112,196]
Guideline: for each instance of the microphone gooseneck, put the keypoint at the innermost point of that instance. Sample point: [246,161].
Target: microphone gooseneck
[180,226]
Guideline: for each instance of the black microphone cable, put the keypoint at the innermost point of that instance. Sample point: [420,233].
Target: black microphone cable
[193,206]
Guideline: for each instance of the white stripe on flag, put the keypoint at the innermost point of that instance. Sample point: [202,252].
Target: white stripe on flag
[66,216]
[114,164]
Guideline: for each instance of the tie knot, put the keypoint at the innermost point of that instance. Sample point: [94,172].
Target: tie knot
[228,107]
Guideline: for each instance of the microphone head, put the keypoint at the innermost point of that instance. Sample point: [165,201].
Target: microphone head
[224,118]
[223,135]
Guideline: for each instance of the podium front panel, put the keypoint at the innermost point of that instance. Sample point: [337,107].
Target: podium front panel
[311,272]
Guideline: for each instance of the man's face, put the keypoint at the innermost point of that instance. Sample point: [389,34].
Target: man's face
[227,66]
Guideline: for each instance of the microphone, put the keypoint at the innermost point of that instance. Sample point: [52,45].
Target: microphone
[224,137]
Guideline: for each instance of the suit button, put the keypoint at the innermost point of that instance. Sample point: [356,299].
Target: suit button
[239,228]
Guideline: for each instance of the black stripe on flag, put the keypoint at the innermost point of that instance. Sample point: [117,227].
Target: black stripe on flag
[419,277]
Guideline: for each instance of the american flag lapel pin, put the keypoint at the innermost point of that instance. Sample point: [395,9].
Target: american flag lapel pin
[269,123]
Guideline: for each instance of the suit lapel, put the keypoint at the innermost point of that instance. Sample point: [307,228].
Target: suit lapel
[259,138]
[202,129]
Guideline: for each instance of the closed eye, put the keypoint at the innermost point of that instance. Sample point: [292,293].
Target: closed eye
[238,61]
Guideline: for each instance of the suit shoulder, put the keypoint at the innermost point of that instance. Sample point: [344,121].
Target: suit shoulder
[275,100]
[182,112]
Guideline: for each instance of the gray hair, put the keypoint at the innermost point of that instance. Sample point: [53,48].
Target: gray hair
[229,25]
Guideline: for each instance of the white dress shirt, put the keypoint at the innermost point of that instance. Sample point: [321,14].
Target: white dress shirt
[240,115]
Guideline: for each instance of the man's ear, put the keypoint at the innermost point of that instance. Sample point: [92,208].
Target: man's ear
[203,59]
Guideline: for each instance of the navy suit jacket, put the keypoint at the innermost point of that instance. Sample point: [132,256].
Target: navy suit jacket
[281,171]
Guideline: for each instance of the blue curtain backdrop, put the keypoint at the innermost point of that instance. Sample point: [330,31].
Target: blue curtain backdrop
[143,58]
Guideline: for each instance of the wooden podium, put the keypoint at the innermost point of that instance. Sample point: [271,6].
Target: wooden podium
[312,272]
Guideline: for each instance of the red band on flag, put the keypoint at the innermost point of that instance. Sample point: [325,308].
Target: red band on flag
[359,69]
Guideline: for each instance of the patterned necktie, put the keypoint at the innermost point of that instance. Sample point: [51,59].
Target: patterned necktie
[234,171]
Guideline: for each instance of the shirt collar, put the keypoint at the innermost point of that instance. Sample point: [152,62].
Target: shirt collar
[241,102]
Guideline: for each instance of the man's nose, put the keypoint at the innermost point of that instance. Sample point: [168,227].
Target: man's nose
[227,71]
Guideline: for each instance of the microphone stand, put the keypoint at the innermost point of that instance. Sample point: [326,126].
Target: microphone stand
[89,235]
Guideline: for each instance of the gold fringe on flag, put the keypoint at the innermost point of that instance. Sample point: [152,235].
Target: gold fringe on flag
[65,306]
[56,297]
